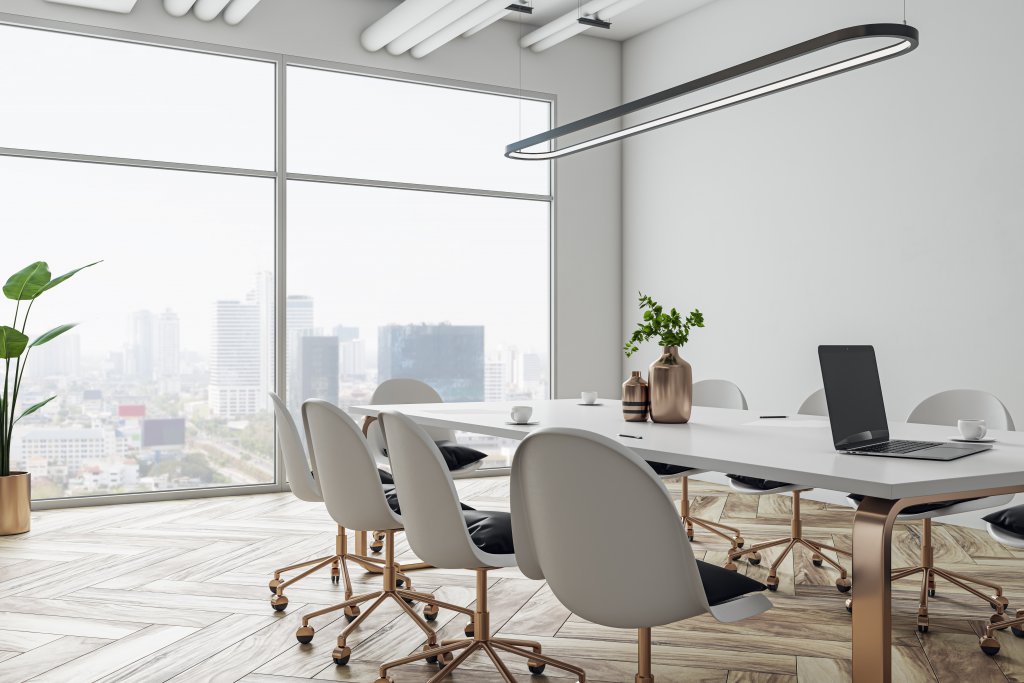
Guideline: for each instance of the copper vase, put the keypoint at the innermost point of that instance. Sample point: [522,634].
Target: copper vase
[636,399]
[15,506]
[671,386]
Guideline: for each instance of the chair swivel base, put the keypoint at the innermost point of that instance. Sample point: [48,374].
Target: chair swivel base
[988,643]
[716,528]
[446,659]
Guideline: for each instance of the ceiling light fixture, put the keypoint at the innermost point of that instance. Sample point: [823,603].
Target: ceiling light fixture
[907,40]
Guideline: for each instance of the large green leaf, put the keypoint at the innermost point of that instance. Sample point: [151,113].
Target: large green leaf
[34,408]
[28,282]
[61,278]
[52,334]
[12,342]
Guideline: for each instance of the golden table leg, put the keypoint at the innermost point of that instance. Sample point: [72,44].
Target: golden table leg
[872,591]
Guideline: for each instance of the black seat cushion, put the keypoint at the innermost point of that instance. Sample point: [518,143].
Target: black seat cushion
[491,531]
[721,585]
[391,493]
[755,482]
[922,508]
[1010,520]
[663,470]
[455,456]
[385,477]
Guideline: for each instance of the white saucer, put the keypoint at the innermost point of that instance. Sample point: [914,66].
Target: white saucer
[523,424]
[590,404]
[957,438]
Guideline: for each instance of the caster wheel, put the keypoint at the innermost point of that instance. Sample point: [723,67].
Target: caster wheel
[273,586]
[922,628]
[427,648]
[817,561]
[468,630]
[1017,631]
[754,558]
[731,566]
[389,679]
[849,605]
[536,668]
[304,634]
[408,601]
[931,592]
[997,619]
[843,585]
[376,549]
[739,542]
[1002,601]
[400,583]
[773,583]
[430,612]
[279,603]
[341,655]
[335,579]
[689,537]
[351,613]
[444,660]
[989,646]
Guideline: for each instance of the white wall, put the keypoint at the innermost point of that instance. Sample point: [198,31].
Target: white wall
[588,188]
[879,207]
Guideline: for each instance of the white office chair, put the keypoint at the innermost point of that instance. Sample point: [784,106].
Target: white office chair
[946,408]
[815,404]
[622,496]
[710,393]
[1007,527]
[450,538]
[302,477]
[355,498]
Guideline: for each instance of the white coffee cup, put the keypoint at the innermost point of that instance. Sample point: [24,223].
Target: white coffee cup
[972,430]
[521,414]
[588,397]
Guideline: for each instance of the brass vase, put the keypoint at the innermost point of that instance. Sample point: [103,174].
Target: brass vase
[15,508]
[636,399]
[671,386]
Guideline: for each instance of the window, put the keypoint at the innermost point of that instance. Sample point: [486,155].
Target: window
[161,162]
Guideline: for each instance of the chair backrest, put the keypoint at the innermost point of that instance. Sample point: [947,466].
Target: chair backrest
[402,390]
[434,525]
[563,531]
[946,407]
[297,467]
[348,474]
[718,393]
[816,404]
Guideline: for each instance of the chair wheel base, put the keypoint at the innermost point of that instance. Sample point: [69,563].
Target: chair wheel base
[1017,632]
[739,542]
[351,613]
[931,592]
[341,655]
[469,630]
[376,548]
[335,579]
[427,648]
[444,660]
[844,584]
[273,586]
[430,612]
[849,605]
[817,561]
[773,583]
[279,603]
[922,628]
[385,680]
[754,558]
[304,634]
[536,668]
[989,646]
[689,537]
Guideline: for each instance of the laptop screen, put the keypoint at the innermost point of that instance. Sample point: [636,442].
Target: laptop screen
[854,395]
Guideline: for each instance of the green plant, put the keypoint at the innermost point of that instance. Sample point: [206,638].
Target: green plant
[24,287]
[669,328]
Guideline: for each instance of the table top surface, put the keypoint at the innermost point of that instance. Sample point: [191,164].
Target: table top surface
[797,449]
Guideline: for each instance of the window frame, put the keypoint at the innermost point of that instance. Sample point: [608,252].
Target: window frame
[281,177]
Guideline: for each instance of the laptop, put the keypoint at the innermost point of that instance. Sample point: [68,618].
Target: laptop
[857,414]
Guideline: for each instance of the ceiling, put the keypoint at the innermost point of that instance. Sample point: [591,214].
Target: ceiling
[642,18]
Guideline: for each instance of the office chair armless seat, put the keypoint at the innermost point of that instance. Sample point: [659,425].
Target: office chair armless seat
[595,580]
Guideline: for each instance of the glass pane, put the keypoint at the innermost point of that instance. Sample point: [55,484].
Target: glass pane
[163,383]
[362,127]
[85,95]
[449,289]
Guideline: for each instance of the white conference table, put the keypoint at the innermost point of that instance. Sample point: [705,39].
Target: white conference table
[796,449]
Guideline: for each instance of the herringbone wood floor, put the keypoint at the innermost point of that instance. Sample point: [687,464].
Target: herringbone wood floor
[176,591]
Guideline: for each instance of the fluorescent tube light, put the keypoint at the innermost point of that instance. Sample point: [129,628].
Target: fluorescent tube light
[178,8]
[238,10]
[574,29]
[565,21]
[907,37]
[398,21]
[122,6]
[207,10]
[485,23]
[436,22]
[469,22]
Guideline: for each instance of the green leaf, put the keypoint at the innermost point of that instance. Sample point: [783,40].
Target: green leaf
[52,334]
[34,408]
[28,282]
[12,342]
[57,280]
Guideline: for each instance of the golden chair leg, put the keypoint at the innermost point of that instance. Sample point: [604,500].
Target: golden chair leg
[643,656]
[714,527]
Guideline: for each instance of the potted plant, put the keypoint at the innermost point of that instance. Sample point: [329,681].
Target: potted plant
[24,287]
[671,377]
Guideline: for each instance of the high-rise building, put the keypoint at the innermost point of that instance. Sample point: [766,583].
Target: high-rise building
[167,345]
[353,359]
[299,323]
[61,357]
[495,376]
[449,358]
[346,334]
[318,368]
[235,360]
[140,356]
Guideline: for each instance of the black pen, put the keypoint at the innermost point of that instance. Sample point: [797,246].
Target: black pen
[630,436]
[773,417]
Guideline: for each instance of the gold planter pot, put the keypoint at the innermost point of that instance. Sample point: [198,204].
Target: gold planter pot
[15,508]
[671,387]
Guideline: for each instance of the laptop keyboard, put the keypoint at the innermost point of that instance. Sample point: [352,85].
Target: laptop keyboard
[897,447]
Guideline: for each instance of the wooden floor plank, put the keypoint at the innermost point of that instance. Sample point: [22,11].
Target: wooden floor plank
[42,659]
